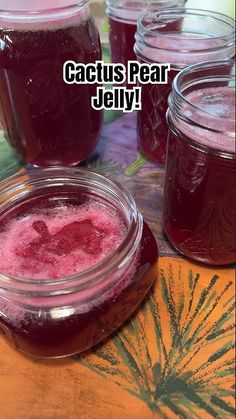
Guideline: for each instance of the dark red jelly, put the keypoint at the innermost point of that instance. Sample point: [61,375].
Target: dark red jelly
[47,121]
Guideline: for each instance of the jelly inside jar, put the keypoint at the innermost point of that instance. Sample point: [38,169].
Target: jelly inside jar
[54,116]
[59,241]
[52,238]
[199,205]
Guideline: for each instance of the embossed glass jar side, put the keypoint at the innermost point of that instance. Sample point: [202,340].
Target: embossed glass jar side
[199,200]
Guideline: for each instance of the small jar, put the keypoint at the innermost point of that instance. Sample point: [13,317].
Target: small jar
[67,315]
[181,38]
[199,215]
[123,16]
[47,121]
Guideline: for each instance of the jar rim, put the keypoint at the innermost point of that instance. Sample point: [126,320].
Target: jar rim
[209,148]
[122,4]
[95,273]
[10,13]
[133,10]
[181,12]
[177,100]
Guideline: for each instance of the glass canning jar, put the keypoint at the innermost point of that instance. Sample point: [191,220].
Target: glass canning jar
[123,16]
[47,121]
[61,316]
[181,38]
[200,201]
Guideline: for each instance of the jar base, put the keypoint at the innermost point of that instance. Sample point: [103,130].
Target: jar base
[197,259]
[150,276]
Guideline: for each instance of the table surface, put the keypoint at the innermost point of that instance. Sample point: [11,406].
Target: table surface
[173,359]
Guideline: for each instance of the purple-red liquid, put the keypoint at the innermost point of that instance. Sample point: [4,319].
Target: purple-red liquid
[47,121]
[122,32]
[59,237]
[151,122]
[152,125]
[199,203]
[122,41]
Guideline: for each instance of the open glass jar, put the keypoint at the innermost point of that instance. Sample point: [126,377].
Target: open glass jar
[123,16]
[199,215]
[47,121]
[58,316]
[180,37]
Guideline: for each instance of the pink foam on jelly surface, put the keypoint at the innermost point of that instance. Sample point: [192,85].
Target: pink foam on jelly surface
[60,242]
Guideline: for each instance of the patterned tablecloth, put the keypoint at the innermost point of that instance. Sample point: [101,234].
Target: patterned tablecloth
[173,359]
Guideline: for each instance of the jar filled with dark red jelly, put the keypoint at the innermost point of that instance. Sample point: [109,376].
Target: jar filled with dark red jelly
[123,16]
[180,37]
[76,260]
[47,121]
[199,216]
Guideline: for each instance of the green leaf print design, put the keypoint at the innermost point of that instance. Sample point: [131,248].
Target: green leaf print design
[10,163]
[177,353]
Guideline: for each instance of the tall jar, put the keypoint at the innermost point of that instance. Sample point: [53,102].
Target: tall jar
[123,16]
[60,219]
[181,38]
[48,122]
[199,200]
